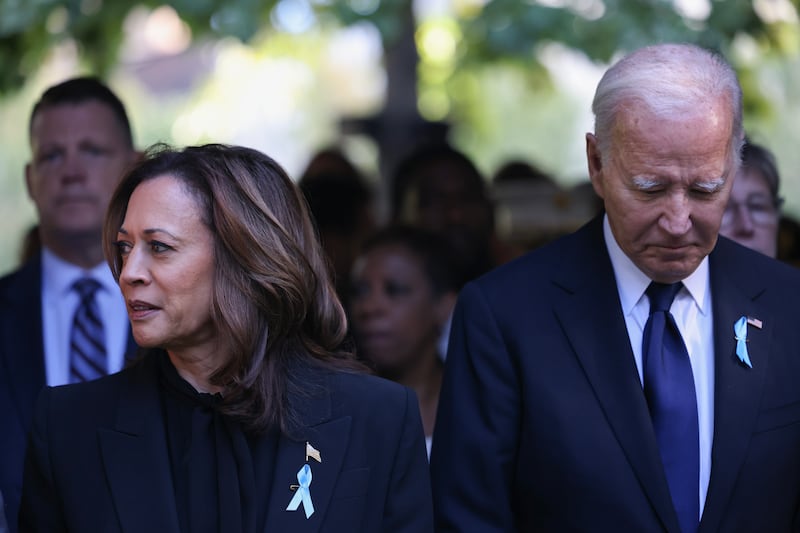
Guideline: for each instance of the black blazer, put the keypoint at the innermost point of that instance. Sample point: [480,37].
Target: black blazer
[99,460]
[22,373]
[542,399]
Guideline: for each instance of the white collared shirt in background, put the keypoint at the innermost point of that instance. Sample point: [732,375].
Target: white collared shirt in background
[693,314]
[59,302]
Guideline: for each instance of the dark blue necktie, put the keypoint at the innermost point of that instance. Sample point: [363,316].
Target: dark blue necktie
[87,345]
[670,393]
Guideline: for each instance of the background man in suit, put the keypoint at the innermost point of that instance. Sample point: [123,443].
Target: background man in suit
[556,413]
[81,143]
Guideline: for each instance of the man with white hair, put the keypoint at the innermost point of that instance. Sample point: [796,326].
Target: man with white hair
[640,374]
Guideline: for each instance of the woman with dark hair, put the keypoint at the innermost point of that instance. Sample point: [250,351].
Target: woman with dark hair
[404,287]
[246,411]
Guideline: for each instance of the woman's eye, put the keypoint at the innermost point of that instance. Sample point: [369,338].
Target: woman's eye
[159,247]
[123,247]
[397,289]
[358,290]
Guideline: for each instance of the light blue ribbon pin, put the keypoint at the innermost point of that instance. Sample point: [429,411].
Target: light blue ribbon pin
[740,332]
[303,493]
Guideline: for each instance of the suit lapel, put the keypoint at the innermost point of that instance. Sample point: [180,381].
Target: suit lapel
[22,347]
[330,438]
[737,388]
[136,458]
[591,316]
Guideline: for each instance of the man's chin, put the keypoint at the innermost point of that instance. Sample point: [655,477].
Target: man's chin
[669,272]
[79,232]
[669,265]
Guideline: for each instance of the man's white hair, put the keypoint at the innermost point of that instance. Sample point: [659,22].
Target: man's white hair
[671,81]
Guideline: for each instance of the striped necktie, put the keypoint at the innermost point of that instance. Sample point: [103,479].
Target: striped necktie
[87,345]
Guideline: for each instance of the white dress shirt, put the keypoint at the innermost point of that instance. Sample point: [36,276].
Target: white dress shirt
[693,315]
[59,302]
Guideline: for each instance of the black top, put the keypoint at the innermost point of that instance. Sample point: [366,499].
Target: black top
[221,474]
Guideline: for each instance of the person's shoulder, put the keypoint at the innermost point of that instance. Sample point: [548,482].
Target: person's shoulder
[87,390]
[367,396]
[26,276]
[362,386]
[374,405]
[733,257]
[534,272]
[98,393]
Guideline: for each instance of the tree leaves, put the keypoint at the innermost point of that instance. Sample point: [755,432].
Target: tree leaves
[500,29]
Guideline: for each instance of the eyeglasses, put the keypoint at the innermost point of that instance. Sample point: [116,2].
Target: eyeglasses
[761,210]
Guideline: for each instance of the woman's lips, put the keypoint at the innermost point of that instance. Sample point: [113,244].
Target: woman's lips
[377,341]
[139,310]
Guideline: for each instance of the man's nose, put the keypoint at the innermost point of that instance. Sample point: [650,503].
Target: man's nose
[676,218]
[73,168]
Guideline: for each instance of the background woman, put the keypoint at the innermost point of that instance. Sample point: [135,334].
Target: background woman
[753,211]
[244,413]
[404,287]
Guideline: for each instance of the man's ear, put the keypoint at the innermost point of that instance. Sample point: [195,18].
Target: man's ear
[28,184]
[595,162]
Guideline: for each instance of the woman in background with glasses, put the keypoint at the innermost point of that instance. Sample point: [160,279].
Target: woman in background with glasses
[753,211]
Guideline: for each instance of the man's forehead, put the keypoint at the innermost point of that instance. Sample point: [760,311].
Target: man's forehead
[90,108]
[90,119]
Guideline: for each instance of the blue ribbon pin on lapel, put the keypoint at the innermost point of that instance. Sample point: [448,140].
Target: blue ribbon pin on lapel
[740,332]
[303,493]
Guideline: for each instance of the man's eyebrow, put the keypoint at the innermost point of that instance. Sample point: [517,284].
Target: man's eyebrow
[711,185]
[645,182]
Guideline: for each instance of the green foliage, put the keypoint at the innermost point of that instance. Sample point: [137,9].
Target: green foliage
[510,28]
[501,29]
[29,29]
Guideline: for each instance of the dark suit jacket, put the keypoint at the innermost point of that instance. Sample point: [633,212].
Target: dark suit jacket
[543,425]
[99,459]
[22,373]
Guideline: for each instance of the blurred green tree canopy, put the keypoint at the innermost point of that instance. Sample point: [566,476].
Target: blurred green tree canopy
[490,29]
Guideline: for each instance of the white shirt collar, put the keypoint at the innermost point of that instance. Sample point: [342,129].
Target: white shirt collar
[632,282]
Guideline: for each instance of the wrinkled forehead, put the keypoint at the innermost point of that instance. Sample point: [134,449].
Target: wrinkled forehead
[714,110]
[709,123]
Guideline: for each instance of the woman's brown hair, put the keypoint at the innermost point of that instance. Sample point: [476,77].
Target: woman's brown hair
[274,305]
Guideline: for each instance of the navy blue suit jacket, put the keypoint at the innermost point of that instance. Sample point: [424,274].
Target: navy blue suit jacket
[22,373]
[99,458]
[543,425]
